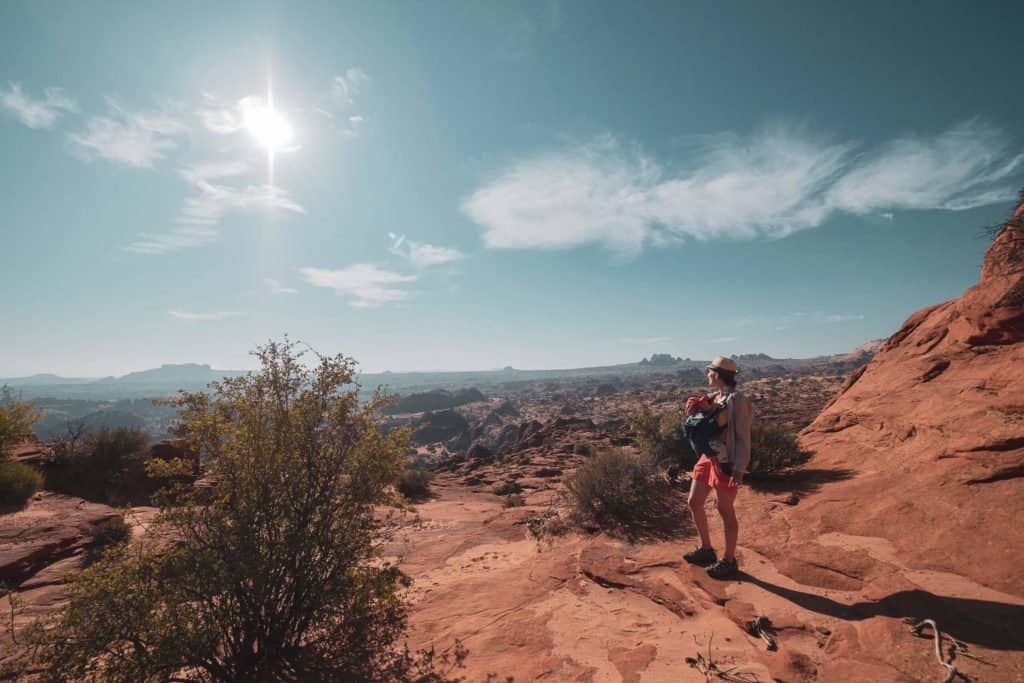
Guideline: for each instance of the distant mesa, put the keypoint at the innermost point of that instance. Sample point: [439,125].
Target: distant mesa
[661,360]
[184,372]
[753,356]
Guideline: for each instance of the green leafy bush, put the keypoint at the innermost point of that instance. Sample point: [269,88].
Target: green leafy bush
[275,574]
[581,448]
[661,437]
[773,448]
[107,465]
[18,483]
[111,532]
[508,487]
[610,489]
[16,420]
[414,483]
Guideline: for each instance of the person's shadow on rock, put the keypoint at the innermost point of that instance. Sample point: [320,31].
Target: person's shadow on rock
[994,625]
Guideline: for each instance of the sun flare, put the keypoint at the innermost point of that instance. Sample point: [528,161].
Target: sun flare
[268,127]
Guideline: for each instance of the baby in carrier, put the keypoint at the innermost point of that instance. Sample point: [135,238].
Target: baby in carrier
[706,421]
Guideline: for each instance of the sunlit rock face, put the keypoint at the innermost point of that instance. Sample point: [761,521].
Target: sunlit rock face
[931,432]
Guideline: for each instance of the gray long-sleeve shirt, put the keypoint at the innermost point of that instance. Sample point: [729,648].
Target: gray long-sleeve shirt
[737,432]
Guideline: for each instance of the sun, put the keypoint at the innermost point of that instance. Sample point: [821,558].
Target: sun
[268,127]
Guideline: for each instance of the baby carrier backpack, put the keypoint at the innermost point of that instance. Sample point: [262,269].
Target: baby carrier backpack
[700,428]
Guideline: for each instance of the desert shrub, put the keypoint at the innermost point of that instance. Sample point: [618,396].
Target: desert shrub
[106,465]
[773,448]
[111,532]
[610,489]
[18,483]
[107,448]
[514,500]
[508,487]
[661,437]
[16,420]
[581,448]
[414,483]
[549,523]
[276,576]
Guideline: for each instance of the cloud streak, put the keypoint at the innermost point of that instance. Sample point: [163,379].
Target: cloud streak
[776,182]
[199,218]
[138,139]
[347,85]
[366,285]
[277,288]
[36,113]
[422,255]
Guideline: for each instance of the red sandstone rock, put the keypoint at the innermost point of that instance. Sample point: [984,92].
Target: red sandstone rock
[931,433]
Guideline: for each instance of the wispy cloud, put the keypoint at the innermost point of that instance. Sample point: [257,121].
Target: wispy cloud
[367,285]
[724,340]
[137,139]
[843,317]
[206,171]
[199,219]
[346,86]
[179,238]
[36,113]
[422,255]
[771,184]
[960,169]
[277,288]
[219,315]
[218,117]
[213,201]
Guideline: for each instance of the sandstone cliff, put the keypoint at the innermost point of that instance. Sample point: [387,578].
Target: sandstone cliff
[931,432]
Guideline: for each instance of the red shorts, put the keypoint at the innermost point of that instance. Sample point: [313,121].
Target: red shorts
[708,471]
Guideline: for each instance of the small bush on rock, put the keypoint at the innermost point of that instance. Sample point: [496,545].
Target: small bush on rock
[111,532]
[16,420]
[18,483]
[414,483]
[610,489]
[583,449]
[514,500]
[508,487]
[106,465]
[773,448]
[661,437]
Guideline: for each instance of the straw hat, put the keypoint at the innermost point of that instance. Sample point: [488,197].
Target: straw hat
[723,363]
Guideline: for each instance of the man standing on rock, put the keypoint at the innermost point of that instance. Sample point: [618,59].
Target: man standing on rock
[722,464]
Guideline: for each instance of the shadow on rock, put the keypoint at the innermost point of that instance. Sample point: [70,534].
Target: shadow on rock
[801,482]
[979,622]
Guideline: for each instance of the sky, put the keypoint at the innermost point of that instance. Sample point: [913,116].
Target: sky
[473,185]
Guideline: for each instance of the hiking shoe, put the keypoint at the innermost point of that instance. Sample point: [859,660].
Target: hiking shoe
[724,569]
[702,557]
